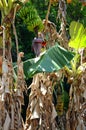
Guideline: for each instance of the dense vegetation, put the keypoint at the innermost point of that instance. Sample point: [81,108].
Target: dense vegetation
[41,6]
[43,64]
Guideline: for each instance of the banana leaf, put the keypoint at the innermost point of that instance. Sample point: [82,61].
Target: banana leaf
[78,35]
[52,60]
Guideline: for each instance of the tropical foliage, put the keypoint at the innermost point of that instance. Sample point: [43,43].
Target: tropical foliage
[57,91]
[49,61]
[78,35]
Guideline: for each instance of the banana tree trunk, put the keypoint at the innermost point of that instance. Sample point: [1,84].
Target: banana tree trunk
[41,112]
[11,89]
[76,114]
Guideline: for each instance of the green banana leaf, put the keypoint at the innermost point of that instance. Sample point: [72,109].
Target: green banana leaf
[52,60]
[78,35]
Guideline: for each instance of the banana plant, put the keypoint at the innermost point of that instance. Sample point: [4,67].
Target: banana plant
[77,42]
[77,78]
[11,94]
[52,60]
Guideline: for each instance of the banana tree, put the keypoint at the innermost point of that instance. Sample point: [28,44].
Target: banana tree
[35,113]
[11,90]
[76,117]
[46,70]
[75,74]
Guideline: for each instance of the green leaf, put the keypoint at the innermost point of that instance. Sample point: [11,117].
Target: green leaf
[78,35]
[76,29]
[52,60]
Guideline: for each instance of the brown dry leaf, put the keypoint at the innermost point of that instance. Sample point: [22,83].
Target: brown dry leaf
[7,122]
[35,110]
[77,104]
[41,108]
